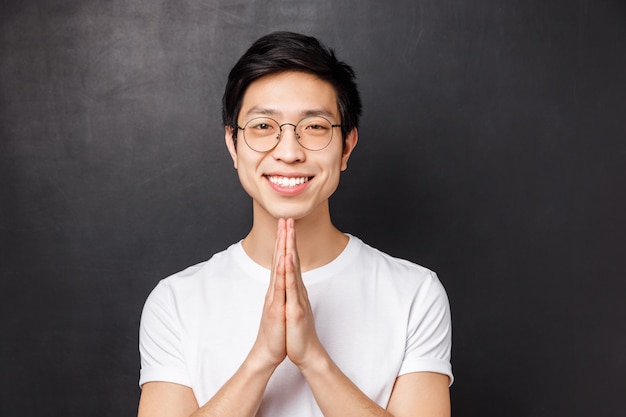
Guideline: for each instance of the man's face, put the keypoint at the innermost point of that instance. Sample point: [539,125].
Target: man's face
[269,177]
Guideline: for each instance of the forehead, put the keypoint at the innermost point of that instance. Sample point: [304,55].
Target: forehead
[290,94]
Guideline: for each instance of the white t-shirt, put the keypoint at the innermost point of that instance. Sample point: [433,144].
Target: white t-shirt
[377,316]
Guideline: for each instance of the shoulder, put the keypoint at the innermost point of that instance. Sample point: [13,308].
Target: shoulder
[398,268]
[408,280]
[192,279]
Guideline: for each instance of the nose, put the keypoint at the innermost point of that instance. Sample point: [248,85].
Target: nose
[294,127]
[288,148]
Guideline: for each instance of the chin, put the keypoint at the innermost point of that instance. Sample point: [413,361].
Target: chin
[289,214]
[291,208]
[296,212]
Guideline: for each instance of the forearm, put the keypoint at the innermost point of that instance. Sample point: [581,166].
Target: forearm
[336,394]
[241,395]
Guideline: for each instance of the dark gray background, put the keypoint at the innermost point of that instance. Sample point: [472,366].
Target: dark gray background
[491,150]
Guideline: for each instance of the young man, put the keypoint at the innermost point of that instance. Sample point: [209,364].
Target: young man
[298,319]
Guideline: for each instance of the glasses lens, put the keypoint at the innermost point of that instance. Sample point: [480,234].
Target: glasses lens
[315,133]
[261,134]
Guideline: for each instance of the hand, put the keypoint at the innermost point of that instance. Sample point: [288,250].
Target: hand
[271,339]
[287,326]
[301,337]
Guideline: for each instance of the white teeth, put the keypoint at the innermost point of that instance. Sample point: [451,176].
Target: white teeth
[288,182]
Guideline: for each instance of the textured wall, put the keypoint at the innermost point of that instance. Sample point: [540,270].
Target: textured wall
[491,150]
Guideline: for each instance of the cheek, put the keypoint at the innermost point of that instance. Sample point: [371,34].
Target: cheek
[247,183]
[245,171]
[335,166]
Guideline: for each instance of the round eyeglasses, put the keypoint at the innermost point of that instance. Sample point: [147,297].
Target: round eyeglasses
[262,134]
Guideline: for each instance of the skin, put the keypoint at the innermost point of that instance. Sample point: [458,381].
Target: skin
[287,325]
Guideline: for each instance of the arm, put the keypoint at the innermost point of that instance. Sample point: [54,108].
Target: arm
[241,395]
[166,399]
[419,394]
[287,328]
[423,394]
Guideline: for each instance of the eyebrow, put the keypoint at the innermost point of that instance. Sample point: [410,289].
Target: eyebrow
[264,111]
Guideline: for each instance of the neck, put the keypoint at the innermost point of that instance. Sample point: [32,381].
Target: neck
[318,240]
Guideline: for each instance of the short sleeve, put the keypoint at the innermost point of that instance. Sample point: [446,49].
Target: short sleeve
[429,336]
[160,344]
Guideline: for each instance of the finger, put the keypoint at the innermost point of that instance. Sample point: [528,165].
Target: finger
[297,306]
[291,280]
[279,282]
[290,250]
[274,265]
[279,241]
[279,249]
[292,246]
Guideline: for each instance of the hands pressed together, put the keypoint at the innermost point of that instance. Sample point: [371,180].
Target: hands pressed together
[287,329]
[287,326]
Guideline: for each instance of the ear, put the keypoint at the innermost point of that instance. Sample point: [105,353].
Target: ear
[351,139]
[230,144]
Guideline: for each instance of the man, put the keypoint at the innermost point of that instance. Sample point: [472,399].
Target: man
[298,319]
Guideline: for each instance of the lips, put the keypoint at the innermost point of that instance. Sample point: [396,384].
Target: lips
[287,182]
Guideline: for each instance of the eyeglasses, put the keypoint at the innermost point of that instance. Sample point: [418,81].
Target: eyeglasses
[262,134]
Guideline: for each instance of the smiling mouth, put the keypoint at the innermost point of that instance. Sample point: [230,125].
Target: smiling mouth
[288,182]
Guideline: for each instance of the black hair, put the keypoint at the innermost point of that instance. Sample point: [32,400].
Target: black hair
[288,51]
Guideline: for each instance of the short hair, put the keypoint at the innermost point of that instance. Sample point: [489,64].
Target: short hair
[288,51]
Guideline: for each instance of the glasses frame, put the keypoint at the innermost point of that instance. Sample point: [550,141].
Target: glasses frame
[280,132]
